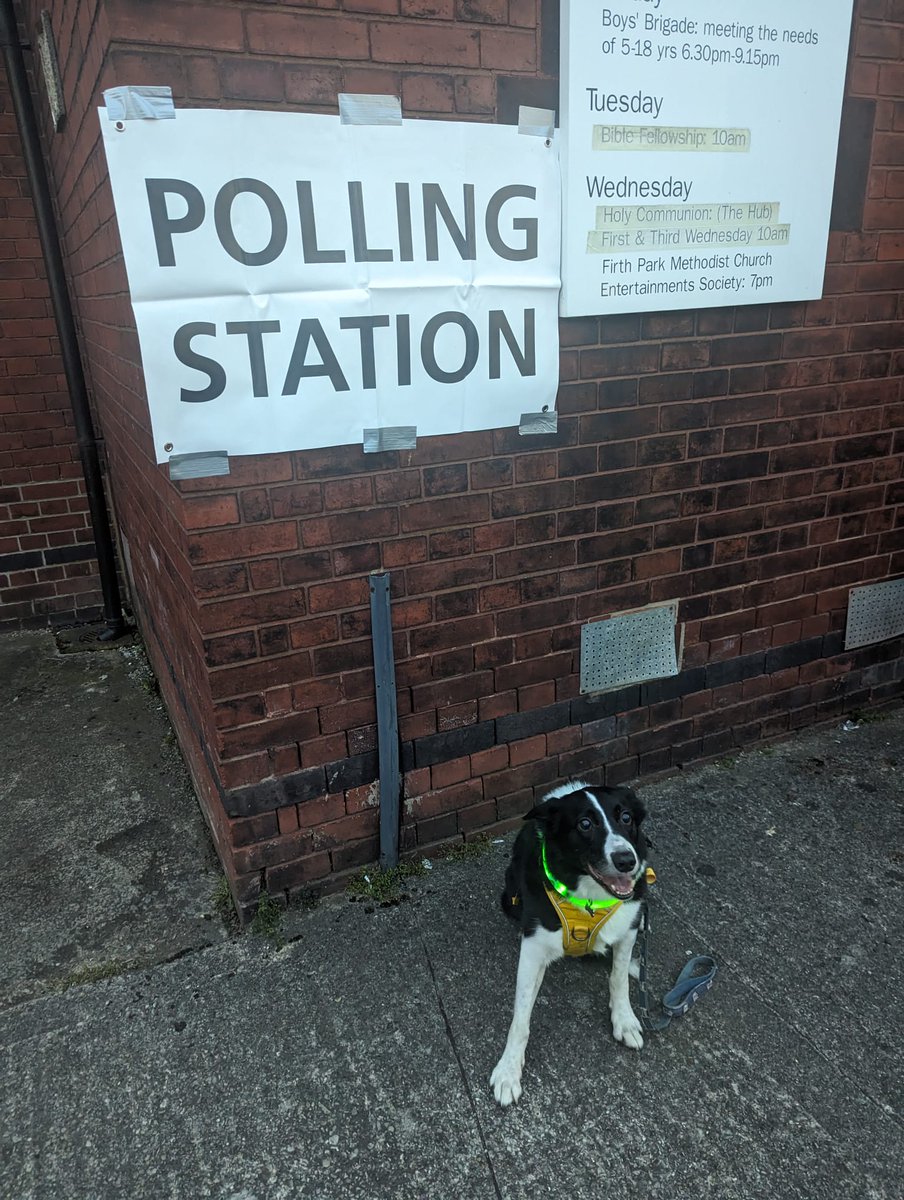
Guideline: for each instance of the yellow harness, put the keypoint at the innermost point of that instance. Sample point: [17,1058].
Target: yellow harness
[580,925]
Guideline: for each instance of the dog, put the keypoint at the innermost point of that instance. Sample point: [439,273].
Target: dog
[580,844]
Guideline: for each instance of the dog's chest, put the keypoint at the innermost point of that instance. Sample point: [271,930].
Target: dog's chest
[589,931]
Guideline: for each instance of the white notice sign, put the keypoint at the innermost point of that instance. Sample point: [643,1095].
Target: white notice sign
[296,280]
[699,144]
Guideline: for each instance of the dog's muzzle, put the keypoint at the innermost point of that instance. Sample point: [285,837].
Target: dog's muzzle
[621,886]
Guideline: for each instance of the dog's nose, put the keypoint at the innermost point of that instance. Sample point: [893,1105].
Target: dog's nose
[624,861]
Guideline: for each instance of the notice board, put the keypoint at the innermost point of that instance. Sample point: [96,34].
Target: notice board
[297,281]
[699,140]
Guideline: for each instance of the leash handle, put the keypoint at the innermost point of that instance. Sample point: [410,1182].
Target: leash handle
[694,981]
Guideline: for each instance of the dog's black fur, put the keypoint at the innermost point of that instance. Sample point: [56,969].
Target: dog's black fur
[570,850]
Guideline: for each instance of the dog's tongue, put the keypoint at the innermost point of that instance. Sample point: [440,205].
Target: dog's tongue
[620,885]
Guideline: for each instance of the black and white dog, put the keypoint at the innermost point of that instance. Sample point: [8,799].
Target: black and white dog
[574,886]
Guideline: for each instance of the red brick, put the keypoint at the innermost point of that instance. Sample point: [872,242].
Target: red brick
[528,750]
[349,527]
[477,816]
[428,93]
[475,94]
[202,78]
[372,80]
[496,758]
[250,79]
[213,27]
[316,632]
[356,854]
[419,725]
[324,809]
[436,830]
[251,542]
[445,774]
[287,819]
[230,649]
[330,597]
[299,872]
[245,830]
[252,610]
[296,500]
[244,771]
[536,695]
[348,493]
[417,782]
[404,552]
[410,42]
[256,676]
[307,36]
[313,83]
[443,513]
[508,50]
[443,10]
[560,741]
[361,824]
[450,798]
[366,796]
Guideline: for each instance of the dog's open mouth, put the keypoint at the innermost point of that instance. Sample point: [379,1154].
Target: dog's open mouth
[621,886]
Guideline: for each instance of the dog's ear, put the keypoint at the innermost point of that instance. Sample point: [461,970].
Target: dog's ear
[547,813]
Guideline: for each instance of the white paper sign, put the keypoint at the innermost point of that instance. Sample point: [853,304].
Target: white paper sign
[699,144]
[296,281]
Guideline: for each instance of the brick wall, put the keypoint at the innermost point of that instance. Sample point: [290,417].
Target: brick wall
[48,569]
[150,514]
[746,462]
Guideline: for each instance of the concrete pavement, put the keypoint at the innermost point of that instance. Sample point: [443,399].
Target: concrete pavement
[353,1059]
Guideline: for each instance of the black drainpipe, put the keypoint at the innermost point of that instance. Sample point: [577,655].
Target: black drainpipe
[62,308]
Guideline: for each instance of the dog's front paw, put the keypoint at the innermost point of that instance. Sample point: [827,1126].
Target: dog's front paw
[627,1029]
[506,1081]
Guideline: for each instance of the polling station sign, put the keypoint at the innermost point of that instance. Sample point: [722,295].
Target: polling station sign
[296,280]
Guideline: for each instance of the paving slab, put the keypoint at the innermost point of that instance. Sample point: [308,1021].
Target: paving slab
[320,1070]
[105,860]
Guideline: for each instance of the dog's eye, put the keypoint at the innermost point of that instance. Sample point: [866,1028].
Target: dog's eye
[625,818]
[585,824]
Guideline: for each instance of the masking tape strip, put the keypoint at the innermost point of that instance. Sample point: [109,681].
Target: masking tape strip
[199,466]
[364,109]
[130,103]
[541,422]
[396,437]
[538,122]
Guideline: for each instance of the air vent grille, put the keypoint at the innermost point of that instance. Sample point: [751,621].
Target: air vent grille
[629,648]
[875,613]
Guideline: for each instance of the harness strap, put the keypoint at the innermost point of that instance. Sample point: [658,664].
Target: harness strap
[694,981]
[579,925]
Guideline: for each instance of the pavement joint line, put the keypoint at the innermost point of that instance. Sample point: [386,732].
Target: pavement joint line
[60,987]
[464,1075]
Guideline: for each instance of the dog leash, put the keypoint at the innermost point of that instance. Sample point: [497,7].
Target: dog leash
[695,980]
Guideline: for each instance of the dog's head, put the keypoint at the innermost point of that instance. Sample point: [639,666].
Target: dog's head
[594,831]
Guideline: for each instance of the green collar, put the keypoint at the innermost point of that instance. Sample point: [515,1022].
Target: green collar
[571,897]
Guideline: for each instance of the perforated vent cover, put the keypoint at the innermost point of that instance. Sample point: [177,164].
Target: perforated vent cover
[875,613]
[629,648]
